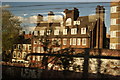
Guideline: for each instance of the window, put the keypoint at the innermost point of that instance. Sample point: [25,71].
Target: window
[48,32]
[34,49]
[64,41]
[112,46]
[64,31]
[24,46]
[41,49]
[41,32]
[19,46]
[68,22]
[113,9]
[76,22]
[113,21]
[24,55]
[38,49]
[78,41]
[72,41]
[84,41]
[83,30]
[35,42]
[74,31]
[35,33]
[56,32]
[38,58]
[29,48]
[33,57]
[19,54]
[14,54]
[113,34]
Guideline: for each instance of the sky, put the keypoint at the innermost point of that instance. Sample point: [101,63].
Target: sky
[55,0]
[28,11]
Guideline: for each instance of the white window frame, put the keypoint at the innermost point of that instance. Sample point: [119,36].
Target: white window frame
[56,32]
[76,22]
[112,34]
[68,22]
[70,41]
[42,32]
[14,53]
[35,42]
[74,41]
[64,31]
[38,49]
[112,46]
[84,41]
[29,47]
[34,49]
[83,30]
[113,21]
[41,50]
[35,33]
[74,31]
[48,32]
[78,41]
[24,46]
[113,9]
[24,54]
[18,55]
[64,41]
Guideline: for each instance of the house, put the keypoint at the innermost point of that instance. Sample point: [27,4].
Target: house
[73,31]
[68,31]
[22,47]
[115,25]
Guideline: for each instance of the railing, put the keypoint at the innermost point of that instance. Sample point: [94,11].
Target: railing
[86,57]
[85,72]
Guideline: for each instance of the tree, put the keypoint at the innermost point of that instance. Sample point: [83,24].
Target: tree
[10,30]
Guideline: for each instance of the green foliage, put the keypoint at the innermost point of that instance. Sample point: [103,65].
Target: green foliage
[10,29]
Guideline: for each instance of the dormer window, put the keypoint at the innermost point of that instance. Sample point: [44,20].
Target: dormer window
[83,30]
[68,22]
[74,31]
[76,22]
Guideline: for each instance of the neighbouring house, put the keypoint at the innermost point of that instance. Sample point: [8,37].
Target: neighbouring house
[22,47]
[115,25]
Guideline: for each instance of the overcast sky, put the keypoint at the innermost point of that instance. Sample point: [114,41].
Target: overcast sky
[55,0]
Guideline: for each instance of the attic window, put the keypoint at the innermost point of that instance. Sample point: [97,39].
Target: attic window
[76,22]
